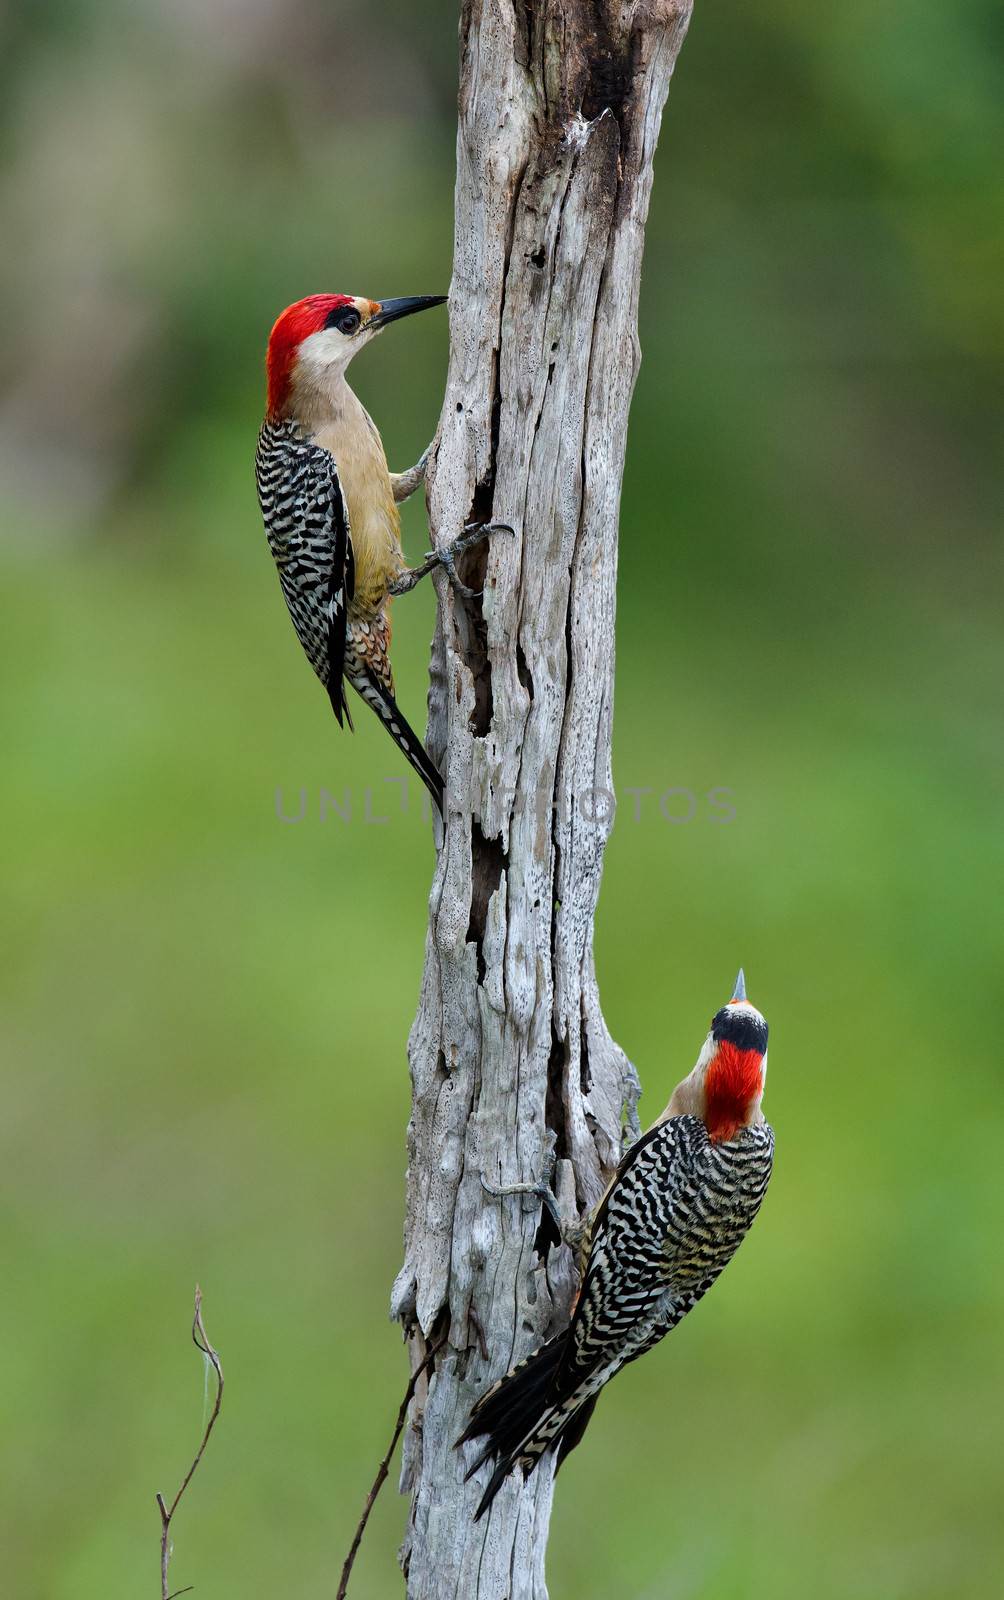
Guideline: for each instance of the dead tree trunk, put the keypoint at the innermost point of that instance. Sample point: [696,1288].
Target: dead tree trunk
[513,1068]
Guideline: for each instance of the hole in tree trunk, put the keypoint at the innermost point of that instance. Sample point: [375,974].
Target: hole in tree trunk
[487,862]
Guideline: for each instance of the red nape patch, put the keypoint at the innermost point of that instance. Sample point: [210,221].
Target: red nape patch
[297,323]
[734,1079]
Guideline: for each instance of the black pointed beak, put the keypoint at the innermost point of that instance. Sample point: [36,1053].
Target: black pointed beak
[390,310]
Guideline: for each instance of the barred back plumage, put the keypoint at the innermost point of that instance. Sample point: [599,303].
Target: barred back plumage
[307,526]
[674,1216]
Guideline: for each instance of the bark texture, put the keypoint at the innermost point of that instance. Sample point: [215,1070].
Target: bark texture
[513,1069]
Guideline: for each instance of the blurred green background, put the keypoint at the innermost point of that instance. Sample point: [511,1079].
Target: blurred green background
[205,1008]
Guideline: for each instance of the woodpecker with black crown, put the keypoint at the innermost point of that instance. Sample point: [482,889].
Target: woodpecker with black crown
[680,1204]
[329,503]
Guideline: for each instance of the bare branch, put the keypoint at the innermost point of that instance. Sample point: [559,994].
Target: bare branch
[200,1339]
[384,1467]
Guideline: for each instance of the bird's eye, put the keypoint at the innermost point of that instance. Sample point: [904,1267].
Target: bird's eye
[349,321]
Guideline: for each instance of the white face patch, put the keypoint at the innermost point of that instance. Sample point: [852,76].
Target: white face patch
[326,352]
[321,353]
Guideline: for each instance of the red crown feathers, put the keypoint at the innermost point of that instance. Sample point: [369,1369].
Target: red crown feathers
[296,323]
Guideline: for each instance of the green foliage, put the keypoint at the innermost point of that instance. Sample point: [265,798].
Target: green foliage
[207,1006]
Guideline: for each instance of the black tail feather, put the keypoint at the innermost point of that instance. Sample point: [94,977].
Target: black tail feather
[574,1428]
[510,1411]
[387,709]
[495,1483]
[340,705]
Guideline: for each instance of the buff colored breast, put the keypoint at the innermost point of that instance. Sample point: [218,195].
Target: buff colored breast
[373,517]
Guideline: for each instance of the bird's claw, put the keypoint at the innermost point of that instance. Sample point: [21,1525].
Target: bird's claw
[539,1191]
[446,558]
[475,531]
[448,564]
[472,534]
[404,484]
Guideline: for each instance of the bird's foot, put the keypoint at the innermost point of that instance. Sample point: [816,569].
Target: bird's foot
[570,1230]
[446,558]
[404,484]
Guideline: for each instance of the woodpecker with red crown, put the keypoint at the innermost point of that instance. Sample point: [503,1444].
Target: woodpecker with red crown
[329,504]
[679,1206]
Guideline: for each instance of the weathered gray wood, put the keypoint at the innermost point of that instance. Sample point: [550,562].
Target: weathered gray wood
[512,1064]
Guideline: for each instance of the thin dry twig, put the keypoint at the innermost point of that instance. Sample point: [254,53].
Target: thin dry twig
[200,1339]
[384,1467]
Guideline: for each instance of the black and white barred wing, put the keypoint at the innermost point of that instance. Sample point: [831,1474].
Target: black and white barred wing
[307,525]
[624,1307]
[671,1220]
[628,1298]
